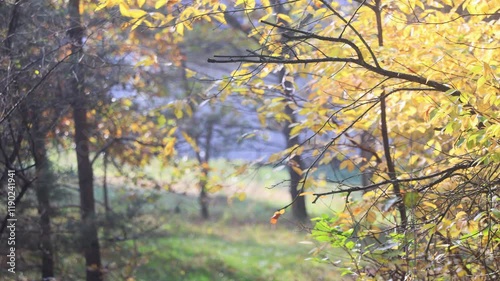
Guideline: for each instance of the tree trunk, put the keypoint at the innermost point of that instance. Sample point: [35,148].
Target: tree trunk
[299,211]
[205,170]
[107,208]
[368,141]
[42,168]
[204,200]
[89,236]
[44,183]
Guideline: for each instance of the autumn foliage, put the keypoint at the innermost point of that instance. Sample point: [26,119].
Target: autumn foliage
[421,80]
[405,93]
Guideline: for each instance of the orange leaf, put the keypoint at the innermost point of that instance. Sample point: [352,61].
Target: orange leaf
[276,216]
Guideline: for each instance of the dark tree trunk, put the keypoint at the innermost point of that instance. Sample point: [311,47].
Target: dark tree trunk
[204,200]
[368,141]
[89,236]
[43,186]
[107,208]
[299,210]
[42,167]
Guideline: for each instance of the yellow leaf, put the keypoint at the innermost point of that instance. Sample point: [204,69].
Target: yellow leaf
[134,127]
[460,215]
[242,196]
[178,112]
[274,157]
[413,159]
[250,4]
[297,170]
[180,28]
[127,102]
[101,6]
[190,73]
[137,24]
[306,193]
[160,3]
[191,141]
[285,18]
[220,18]
[168,150]
[171,131]
[136,13]
[215,188]
[348,163]
[429,204]
[140,3]
[124,9]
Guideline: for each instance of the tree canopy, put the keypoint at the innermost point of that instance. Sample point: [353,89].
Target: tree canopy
[404,94]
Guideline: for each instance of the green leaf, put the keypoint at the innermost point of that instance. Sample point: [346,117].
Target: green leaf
[411,199]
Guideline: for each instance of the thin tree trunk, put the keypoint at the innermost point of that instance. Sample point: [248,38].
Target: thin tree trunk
[42,167]
[105,186]
[204,198]
[89,236]
[43,186]
[205,171]
[368,141]
[299,210]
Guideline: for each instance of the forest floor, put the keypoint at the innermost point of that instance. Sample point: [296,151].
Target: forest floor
[237,242]
[156,234]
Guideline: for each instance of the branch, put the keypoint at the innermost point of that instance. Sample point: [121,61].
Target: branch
[390,164]
[122,139]
[444,174]
[353,29]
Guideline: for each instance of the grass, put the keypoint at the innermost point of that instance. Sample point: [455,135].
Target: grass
[236,243]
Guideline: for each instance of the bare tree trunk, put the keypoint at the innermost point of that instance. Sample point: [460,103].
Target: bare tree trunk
[299,210]
[368,141]
[204,199]
[205,170]
[89,236]
[42,167]
[43,186]
[107,208]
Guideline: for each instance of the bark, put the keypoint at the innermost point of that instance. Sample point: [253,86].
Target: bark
[205,170]
[299,210]
[43,186]
[391,170]
[89,236]
[105,186]
[204,199]
[369,141]
[42,168]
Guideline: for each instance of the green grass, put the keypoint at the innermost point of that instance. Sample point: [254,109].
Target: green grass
[236,243]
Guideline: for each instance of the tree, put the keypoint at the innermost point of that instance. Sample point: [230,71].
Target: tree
[29,117]
[79,103]
[436,118]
